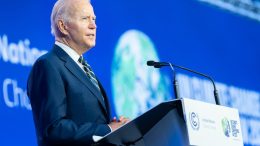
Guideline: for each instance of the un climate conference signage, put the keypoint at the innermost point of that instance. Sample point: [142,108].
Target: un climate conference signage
[208,122]
[16,57]
[18,53]
[246,101]
[248,8]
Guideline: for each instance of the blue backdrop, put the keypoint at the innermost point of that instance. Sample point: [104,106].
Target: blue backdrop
[191,33]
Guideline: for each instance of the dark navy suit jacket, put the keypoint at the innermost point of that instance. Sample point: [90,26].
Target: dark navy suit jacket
[67,108]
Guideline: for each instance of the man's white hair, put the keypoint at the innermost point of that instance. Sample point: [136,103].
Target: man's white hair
[60,12]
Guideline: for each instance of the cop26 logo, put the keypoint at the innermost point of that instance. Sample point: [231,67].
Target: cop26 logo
[226,127]
[194,121]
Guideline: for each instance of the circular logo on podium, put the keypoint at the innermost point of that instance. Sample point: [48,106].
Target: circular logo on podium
[194,121]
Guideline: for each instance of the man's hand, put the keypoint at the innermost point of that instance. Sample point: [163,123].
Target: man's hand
[115,124]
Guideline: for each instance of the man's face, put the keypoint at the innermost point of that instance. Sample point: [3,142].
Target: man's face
[82,27]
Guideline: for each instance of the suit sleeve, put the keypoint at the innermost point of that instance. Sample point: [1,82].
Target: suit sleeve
[47,93]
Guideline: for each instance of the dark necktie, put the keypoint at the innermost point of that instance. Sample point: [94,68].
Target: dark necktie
[89,71]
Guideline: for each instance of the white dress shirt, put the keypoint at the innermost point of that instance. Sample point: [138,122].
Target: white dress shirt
[72,53]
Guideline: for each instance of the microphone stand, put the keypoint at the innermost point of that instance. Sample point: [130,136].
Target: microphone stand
[175,82]
[208,77]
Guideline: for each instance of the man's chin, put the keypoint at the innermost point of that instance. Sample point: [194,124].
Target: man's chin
[91,45]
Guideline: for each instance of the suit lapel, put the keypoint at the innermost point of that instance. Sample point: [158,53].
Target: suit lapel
[106,100]
[79,73]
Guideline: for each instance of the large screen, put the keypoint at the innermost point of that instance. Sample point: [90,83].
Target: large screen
[216,37]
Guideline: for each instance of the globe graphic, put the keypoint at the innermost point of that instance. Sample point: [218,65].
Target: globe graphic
[136,87]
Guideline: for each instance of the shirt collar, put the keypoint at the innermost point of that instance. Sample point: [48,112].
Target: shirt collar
[72,53]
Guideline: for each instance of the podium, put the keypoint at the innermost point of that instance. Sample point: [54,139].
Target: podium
[181,122]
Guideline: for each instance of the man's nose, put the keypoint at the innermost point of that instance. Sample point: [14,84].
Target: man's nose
[92,25]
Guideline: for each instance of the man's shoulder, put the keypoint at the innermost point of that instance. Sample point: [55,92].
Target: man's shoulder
[55,54]
[51,58]
[48,56]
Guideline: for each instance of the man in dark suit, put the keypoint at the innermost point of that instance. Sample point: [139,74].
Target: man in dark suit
[68,102]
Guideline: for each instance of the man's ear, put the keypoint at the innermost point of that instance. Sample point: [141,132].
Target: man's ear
[62,27]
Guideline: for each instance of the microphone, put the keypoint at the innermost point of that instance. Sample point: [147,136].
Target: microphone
[162,64]
[157,64]
[175,81]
